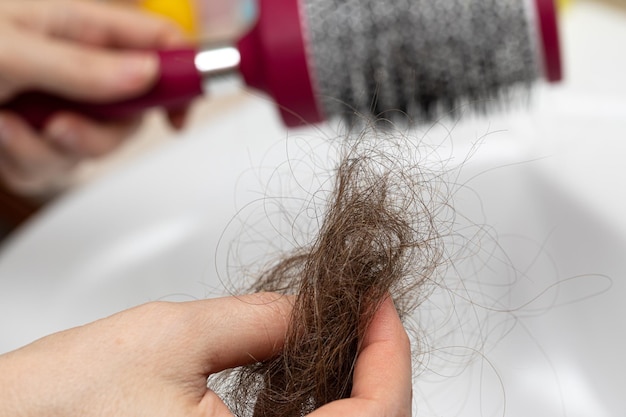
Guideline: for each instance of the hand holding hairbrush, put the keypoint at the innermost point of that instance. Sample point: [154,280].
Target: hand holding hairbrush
[322,58]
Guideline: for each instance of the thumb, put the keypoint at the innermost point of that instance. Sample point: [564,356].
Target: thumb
[77,71]
[212,405]
[232,331]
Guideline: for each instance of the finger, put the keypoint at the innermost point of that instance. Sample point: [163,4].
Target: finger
[26,150]
[75,71]
[97,23]
[382,376]
[232,331]
[29,165]
[81,137]
[385,358]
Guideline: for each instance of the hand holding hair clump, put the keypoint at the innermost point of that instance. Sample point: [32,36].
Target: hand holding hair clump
[377,238]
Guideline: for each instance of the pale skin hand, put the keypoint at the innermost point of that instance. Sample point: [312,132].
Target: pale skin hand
[154,360]
[84,50]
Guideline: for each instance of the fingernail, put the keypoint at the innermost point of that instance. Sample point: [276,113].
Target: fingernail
[62,133]
[138,68]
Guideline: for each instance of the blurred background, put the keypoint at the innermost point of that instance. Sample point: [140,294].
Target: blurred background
[538,291]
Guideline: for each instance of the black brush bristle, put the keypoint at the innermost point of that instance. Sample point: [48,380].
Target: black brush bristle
[420,58]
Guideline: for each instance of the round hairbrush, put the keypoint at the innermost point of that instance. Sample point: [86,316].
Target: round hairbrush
[323,58]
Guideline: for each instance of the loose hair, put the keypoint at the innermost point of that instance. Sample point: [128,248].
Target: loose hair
[378,238]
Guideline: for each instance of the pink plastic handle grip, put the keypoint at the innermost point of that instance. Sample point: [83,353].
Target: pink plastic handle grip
[549,31]
[274,60]
[179,82]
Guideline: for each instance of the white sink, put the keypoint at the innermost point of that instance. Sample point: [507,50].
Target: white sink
[529,319]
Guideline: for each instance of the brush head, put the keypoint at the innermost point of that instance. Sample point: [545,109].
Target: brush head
[422,58]
[384,58]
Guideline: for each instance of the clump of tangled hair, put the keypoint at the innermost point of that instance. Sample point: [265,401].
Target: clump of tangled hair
[378,237]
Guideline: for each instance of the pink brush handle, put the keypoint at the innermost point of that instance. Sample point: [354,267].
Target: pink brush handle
[549,32]
[179,82]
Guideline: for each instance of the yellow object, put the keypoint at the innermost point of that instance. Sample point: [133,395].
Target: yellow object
[181,11]
[563,4]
